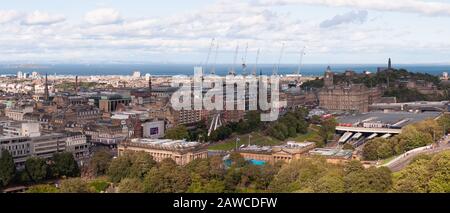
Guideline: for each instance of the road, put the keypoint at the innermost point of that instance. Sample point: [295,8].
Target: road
[402,161]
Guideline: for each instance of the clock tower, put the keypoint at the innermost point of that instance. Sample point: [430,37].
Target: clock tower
[328,78]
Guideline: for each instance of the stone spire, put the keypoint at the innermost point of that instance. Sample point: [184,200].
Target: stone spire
[389,64]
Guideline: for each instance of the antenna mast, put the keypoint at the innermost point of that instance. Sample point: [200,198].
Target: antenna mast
[302,53]
[233,71]
[244,58]
[209,53]
[277,67]
[213,69]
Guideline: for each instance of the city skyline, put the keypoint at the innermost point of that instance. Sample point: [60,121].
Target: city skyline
[333,32]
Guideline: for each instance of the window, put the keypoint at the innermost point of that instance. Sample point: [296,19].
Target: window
[154,131]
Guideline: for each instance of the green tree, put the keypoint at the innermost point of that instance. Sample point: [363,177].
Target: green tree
[353,166]
[302,126]
[243,127]
[7,168]
[425,174]
[98,185]
[368,180]
[74,185]
[221,133]
[131,185]
[36,168]
[141,164]
[64,164]
[214,186]
[120,168]
[414,178]
[167,178]
[299,175]
[100,161]
[331,182]
[378,148]
[254,120]
[177,133]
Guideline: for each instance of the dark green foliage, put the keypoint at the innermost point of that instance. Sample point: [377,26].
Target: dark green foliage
[130,165]
[131,185]
[36,168]
[315,175]
[7,168]
[177,133]
[64,164]
[75,185]
[291,124]
[168,177]
[407,95]
[425,174]
[221,133]
[412,137]
[99,163]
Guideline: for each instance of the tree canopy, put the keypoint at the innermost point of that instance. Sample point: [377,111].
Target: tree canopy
[7,168]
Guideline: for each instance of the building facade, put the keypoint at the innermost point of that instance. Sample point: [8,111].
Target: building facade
[350,97]
[180,151]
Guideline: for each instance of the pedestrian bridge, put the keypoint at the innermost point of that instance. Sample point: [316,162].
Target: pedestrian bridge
[368,130]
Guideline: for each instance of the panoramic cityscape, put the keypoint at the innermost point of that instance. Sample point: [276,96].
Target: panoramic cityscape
[264,96]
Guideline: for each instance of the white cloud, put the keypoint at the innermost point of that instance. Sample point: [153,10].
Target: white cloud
[103,16]
[42,18]
[7,16]
[350,17]
[410,6]
[106,35]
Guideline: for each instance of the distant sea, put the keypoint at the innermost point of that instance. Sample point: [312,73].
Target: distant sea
[188,69]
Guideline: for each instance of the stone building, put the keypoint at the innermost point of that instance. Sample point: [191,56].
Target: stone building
[180,151]
[346,97]
[272,154]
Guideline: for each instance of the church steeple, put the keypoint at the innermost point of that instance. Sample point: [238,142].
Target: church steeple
[389,64]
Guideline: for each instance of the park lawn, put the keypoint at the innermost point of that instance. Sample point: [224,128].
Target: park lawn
[311,136]
[257,139]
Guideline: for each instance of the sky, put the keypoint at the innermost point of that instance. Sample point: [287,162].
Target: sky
[184,31]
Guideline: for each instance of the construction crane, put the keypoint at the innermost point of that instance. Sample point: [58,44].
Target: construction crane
[233,71]
[256,63]
[276,67]
[213,69]
[209,53]
[302,53]
[244,58]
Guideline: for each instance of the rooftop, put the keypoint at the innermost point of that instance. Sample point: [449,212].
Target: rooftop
[165,144]
[289,146]
[339,153]
[400,118]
